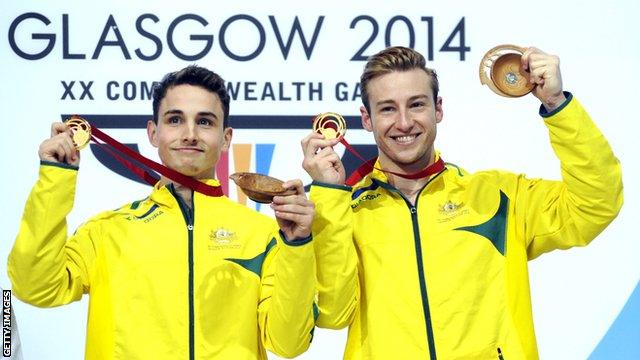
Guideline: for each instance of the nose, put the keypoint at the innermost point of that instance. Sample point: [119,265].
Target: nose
[189,133]
[404,122]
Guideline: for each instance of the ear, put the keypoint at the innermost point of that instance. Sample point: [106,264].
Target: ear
[227,134]
[366,119]
[439,112]
[152,133]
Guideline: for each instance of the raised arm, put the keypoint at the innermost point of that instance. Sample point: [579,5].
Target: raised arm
[571,212]
[45,268]
[336,257]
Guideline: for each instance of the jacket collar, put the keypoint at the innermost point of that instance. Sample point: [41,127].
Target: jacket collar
[162,194]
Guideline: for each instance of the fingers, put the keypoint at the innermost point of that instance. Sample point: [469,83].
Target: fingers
[296,203]
[543,67]
[525,60]
[326,155]
[59,147]
[321,162]
[67,149]
[313,142]
[294,213]
[544,71]
[538,74]
[59,127]
[534,58]
[299,197]
[328,162]
[294,184]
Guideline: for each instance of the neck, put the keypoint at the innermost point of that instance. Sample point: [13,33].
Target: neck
[409,187]
[185,193]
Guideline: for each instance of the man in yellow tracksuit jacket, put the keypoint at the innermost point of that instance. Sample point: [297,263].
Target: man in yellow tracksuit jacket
[177,275]
[436,267]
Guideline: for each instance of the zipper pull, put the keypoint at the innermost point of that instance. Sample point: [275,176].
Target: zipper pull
[413,210]
[190,227]
[500,357]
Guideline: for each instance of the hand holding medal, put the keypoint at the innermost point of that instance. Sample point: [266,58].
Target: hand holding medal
[65,141]
[324,165]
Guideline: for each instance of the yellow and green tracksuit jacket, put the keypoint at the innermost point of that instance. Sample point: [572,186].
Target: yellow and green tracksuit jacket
[165,281]
[447,278]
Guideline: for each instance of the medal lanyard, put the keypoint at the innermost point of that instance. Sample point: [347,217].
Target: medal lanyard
[113,146]
[332,125]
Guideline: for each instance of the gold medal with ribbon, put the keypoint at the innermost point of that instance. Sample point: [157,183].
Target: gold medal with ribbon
[333,126]
[83,133]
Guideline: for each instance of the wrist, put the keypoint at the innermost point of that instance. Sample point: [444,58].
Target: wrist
[553,102]
[296,241]
[62,165]
[320,177]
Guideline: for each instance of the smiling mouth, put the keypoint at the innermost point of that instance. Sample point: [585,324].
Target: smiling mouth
[405,139]
[188,150]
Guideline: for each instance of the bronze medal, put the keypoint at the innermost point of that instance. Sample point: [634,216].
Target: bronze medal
[501,71]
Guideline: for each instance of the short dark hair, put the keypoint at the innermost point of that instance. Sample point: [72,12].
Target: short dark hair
[396,58]
[192,75]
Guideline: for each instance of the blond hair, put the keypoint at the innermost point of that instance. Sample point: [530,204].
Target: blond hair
[391,59]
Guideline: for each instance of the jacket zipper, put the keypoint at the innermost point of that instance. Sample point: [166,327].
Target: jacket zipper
[188,214]
[421,276]
[421,279]
[500,357]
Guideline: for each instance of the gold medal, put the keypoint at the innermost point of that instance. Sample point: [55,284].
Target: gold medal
[501,71]
[81,130]
[330,125]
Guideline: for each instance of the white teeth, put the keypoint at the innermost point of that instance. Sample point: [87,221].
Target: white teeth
[405,139]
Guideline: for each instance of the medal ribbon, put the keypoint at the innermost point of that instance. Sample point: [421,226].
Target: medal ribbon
[333,125]
[193,184]
[368,166]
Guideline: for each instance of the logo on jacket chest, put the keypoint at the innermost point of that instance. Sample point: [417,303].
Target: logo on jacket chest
[148,217]
[223,239]
[363,198]
[451,210]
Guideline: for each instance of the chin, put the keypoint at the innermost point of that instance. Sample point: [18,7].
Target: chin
[410,160]
[186,170]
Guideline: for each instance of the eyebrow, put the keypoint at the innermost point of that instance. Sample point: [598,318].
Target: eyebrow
[384,102]
[389,101]
[172,111]
[180,112]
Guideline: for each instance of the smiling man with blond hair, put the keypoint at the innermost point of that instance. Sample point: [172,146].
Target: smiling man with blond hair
[422,259]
